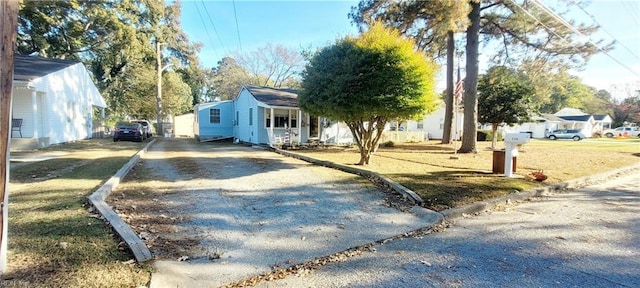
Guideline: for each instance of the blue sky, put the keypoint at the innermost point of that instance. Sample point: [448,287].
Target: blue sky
[298,24]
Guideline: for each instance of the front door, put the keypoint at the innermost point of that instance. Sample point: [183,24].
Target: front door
[313,127]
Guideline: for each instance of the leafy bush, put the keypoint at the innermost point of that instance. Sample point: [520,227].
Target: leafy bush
[387,144]
[487,135]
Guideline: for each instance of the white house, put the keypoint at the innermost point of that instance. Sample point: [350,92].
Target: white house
[586,123]
[265,115]
[53,102]
[433,124]
[603,122]
[539,126]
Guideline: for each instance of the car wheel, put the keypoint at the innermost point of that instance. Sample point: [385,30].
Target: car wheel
[576,138]
[115,139]
[553,137]
[609,135]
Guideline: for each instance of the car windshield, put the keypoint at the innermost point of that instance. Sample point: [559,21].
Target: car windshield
[128,125]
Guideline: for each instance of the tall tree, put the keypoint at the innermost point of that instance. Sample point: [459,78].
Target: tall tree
[229,77]
[416,20]
[470,123]
[627,111]
[504,96]
[271,65]
[368,81]
[115,39]
[527,30]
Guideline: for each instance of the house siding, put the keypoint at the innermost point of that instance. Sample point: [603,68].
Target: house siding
[434,123]
[57,107]
[246,132]
[204,129]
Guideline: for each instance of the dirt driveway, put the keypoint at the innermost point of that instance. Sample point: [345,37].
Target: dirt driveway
[236,211]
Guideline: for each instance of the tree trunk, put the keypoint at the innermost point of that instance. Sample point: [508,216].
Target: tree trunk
[494,140]
[367,138]
[470,129]
[448,112]
[8,28]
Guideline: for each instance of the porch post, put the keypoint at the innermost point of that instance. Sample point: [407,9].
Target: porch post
[299,126]
[272,122]
[34,113]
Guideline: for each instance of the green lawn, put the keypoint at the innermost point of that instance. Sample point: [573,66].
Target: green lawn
[427,167]
[54,239]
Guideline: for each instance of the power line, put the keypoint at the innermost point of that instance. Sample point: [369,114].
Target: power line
[214,26]
[235,14]
[545,26]
[605,30]
[572,28]
[205,27]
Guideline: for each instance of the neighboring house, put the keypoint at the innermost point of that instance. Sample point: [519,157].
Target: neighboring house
[433,124]
[603,122]
[570,112]
[54,100]
[586,123]
[538,127]
[265,115]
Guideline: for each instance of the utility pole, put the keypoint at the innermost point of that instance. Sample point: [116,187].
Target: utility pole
[8,28]
[159,94]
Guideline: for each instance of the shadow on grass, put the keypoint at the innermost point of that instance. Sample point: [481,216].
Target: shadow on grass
[472,170]
[446,189]
[418,147]
[71,168]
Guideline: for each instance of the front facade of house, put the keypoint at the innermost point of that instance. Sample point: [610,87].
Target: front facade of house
[433,124]
[265,115]
[54,100]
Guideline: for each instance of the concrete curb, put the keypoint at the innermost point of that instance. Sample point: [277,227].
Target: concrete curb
[136,245]
[404,191]
[452,213]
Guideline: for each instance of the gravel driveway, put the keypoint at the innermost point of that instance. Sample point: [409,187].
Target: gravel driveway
[255,209]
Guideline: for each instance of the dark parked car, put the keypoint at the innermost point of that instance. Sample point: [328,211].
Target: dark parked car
[146,127]
[576,135]
[128,131]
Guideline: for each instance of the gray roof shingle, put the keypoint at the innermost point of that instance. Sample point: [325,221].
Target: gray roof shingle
[283,97]
[27,68]
[576,118]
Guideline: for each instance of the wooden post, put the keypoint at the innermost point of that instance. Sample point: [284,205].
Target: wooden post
[8,30]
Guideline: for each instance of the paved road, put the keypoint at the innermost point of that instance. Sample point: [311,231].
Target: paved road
[585,238]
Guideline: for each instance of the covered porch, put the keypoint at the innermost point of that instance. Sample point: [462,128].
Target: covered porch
[289,126]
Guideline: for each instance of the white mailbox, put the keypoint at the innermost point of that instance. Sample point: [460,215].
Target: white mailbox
[517,138]
[511,141]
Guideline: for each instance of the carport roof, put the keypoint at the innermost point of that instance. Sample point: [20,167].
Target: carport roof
[282,97]
[27,68]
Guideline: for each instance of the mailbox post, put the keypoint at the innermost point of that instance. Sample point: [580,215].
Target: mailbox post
[511,141]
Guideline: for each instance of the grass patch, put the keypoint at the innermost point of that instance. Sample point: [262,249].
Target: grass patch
[54,239]
[426,167]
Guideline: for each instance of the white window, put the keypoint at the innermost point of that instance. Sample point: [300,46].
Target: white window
[281,118]
[420,124]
